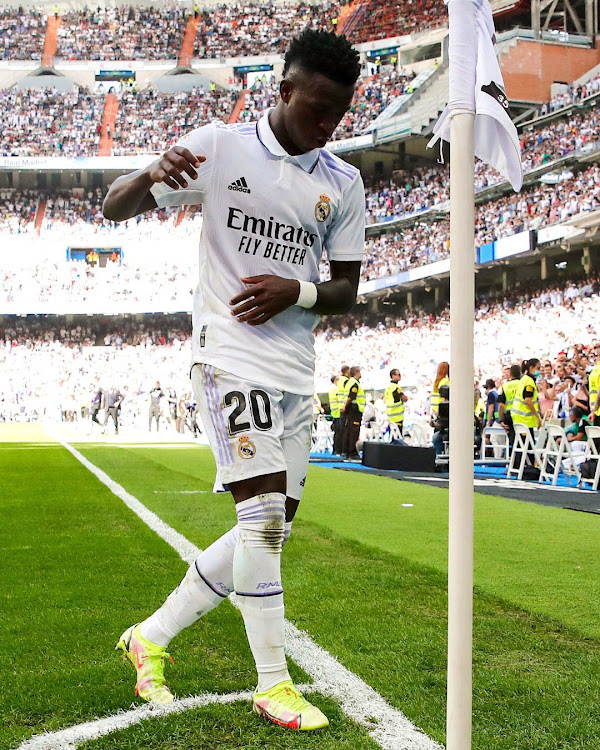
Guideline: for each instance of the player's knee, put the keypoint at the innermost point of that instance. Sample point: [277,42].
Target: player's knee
[261,521]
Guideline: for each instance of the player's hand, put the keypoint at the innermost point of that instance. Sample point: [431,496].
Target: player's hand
[264,297]
[173,165]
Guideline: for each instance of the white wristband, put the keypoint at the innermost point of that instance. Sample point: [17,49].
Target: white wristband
[308,295]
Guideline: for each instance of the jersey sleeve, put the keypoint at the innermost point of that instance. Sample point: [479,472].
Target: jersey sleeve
[345,240]
[353,393]
[528,391]
[201,142]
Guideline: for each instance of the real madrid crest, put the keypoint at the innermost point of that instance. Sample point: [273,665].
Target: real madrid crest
[323,208]
[246,448]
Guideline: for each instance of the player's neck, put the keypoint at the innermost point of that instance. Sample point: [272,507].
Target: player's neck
[280,132]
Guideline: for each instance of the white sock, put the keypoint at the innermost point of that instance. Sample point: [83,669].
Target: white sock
[257,581]
[205,585]
[207,582]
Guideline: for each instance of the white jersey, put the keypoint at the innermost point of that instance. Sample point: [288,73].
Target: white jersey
[265,212]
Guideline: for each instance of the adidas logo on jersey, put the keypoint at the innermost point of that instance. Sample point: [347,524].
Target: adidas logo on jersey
[240,185]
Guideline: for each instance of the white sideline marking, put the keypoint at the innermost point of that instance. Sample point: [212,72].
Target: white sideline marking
[67,739]
[179,492]
[388,726]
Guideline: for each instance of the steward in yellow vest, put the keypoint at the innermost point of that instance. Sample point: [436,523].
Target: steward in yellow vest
[354,405]
[594,391]
[506,399]
[395,399]
[435,393]
[335,407]
[525,407]
[338,427]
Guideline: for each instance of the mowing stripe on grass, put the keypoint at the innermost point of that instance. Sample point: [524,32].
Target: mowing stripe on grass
[388,726]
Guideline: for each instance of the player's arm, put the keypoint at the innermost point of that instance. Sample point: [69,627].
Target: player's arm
[130,194]
[266,296]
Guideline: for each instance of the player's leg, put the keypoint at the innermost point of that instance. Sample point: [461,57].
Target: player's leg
[283,704]
[210,579]
[245,426]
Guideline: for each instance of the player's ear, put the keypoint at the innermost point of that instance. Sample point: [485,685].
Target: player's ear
[285,90]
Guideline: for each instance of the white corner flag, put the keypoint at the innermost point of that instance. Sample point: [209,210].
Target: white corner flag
[476,71]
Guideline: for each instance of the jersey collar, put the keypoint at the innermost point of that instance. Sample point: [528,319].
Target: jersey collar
[307,161]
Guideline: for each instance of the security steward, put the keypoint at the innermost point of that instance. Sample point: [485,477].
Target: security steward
[395,399]
[594,391]
[341,399]
[506,398]
[354,406]
[335,407]
[526,406]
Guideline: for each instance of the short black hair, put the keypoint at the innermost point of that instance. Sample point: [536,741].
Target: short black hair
[324,52]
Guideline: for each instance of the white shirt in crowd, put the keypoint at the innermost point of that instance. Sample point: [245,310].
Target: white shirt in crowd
[265,212]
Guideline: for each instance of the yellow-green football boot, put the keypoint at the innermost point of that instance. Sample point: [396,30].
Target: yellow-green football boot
[149,662]
[285,705]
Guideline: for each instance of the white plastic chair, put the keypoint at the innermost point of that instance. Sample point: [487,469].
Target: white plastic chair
[495,432]
[394,432]
[556,452]
[591,453]
[322,436]
[418,434]
[522,445]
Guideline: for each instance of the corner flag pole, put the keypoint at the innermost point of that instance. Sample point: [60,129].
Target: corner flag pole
[460,533]
[462,303]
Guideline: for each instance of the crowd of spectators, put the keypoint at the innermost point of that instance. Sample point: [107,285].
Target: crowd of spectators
[223,30]
[419,188]
[151,121]
[538,206]
[42,122]
[574,94]
[373,95]
[382,19]
[122,33]
[159,284]
[78,213]
[243,28]
[48,122]
[49,362]
[156,32]
[128,330]
[21,33]
[517,325]
[262,95]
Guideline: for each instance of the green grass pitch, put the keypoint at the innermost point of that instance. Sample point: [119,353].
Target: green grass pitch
[364,575]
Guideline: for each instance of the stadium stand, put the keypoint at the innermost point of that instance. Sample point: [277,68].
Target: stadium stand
[383,19]
[84,351]
[222,30]
[21,34]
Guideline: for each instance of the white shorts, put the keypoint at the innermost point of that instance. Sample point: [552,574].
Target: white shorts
[253,429]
